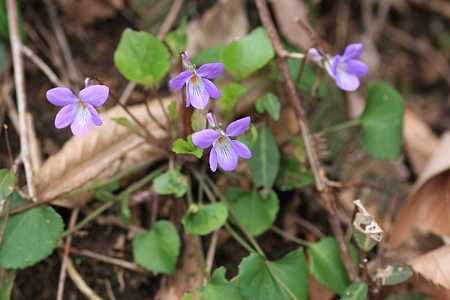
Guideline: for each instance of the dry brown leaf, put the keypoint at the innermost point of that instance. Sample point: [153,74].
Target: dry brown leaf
[434,266]
[106,150]
[428,206]
[80,13]
[286,13]
[221,24]
[419,141]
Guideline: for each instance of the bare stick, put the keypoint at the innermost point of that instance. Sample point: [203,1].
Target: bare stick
[62,274]
[80,283]
[316,167]
[127,92]
[211,252]
[19,80]
[165,27]
[42,66]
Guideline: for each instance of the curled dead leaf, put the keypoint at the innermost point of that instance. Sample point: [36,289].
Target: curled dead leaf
[434,266]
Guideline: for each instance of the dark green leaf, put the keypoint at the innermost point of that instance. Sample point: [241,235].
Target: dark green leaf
[269,102]
[141,57]
[230,95]
[308,78]
[128,124]
[171,182]
[204,219]
[266,159]
[256,212]
[188,147]
[356,291]
[158,249]
[284,279]
[326,265]
[409,296]
[291,175]
[7,284]
[250,137]
[382,122]
[112,187]
[2,57]
[6,183]
[30,236]
[219,288]
[245,56]
[209,55]
[399,274]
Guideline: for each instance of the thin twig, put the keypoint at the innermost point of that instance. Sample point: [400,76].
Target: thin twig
[170,18]
[211,251]
[19,79]
[8,145]
[80,283]
[62,273]
[127,92]
[7,207]
[42,66]
[316,167]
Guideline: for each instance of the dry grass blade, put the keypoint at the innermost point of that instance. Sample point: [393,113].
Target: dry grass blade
[434,266]
[106,150]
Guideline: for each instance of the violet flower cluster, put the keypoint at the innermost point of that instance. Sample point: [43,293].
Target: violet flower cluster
[78,111]
[344,69]
[199,89]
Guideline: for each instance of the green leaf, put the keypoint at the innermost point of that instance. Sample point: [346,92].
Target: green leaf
[256,212]
[291,175]
[399,274]
[356,291]
[308,77]
[230,95]
[6,183]
[204,219]
[266,159]
[177,39]
[409,296]
[197,120]
[245,56]
[382,122]
[189,296]
[284,279]
[269,102]
[219,288]
[2,57]
[209,55]
[30,236]
[141,57]
[188,147]
[125,213]
[7,284]
[171,182]
[250,137]
[158,249]
[112,187]
[326,265]
[172,113]
[128,124]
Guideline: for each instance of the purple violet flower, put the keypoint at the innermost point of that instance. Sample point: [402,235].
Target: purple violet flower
[78,112]
[344,69]
[225,151]
[198,86]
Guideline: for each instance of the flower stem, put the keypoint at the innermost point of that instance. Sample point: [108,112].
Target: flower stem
[290,237]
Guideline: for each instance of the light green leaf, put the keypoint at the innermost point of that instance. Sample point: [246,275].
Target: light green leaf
[189,296]
[356,291]
[291,175]
[188,147]
[269,102]
[230,96]
[326,265]
[219,288]
[171,182]
[284,279]
[128,124]
[209,55]
[30,236]
[266,159]
[6,183]
[158,249]
[382,122]
[177,39]
[204,219]
[245,56]
[256,212]
[399,274]
[7,284]
[141,57]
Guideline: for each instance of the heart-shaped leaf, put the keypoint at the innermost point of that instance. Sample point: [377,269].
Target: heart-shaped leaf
[158,249]
[204,219]
[269,102]
[171,182]
[356,291]
[219,288]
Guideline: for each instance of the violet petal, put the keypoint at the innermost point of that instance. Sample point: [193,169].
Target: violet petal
[205,138]
[352,51]
[346,81]
[238,127]
[226,157]
[177,82]
[65,116]
[210,71]
[241,149]
[213,160]
[94,114]
[334,64]
[197,93]
[212,89]
[314,55]
[83,121]
[61,96]
[94,94]
[357,68]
